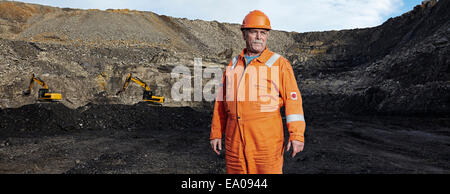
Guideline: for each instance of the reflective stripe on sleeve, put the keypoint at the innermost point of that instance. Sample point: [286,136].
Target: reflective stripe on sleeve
[294,117]
[272,59]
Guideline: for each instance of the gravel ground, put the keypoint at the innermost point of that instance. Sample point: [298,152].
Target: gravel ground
[144,139]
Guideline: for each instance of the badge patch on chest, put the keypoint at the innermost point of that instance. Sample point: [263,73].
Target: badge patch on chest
[294,95]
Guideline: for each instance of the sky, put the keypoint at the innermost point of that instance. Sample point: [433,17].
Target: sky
[286,15]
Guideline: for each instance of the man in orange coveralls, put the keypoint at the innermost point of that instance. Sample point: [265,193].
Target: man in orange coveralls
[255,85]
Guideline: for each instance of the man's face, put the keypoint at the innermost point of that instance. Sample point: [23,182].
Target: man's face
[256,39]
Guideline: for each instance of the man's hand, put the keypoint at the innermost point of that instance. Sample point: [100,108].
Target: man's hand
[297,146]
[214,143]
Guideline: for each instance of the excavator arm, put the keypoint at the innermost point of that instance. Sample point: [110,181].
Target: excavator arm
[125,85]
[136,80]
[141,83]
[37,80]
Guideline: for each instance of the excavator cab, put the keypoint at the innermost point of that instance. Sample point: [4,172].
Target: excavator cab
[147,96]
[44,94]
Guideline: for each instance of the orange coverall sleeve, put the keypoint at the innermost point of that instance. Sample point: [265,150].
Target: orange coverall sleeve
[293,102]
[219,120]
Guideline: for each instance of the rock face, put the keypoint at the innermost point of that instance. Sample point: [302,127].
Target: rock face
[400,67]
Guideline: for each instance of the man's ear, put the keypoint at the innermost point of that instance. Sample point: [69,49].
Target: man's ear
[243,34]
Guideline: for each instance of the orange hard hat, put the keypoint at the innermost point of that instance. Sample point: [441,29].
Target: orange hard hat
[256,19]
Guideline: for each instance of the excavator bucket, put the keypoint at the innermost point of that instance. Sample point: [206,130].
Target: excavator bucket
[26,92]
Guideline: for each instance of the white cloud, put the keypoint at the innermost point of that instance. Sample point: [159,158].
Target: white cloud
[288,15]
[320,15]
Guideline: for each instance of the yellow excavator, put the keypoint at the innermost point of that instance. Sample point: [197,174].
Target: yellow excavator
[44,93]
[148,95]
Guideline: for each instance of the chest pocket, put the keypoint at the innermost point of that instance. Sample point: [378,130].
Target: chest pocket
[268,86]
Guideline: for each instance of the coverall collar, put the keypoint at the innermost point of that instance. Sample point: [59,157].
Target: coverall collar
[265,55]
